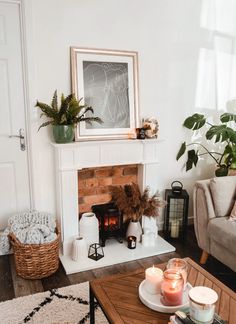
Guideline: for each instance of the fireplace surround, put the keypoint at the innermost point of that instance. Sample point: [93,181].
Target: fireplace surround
[72,157]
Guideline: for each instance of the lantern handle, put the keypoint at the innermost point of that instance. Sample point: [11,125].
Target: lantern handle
[177,182]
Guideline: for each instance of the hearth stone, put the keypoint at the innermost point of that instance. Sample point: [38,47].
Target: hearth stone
[114,253]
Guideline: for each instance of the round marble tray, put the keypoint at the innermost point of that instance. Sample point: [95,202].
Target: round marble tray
[154,301]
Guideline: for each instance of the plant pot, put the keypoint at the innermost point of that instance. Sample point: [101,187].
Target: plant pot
[63,133]
[221,171]
[134,229]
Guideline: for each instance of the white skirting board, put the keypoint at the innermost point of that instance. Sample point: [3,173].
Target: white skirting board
[115,252]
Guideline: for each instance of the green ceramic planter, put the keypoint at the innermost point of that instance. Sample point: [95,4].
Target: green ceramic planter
[63,133]
[221,172]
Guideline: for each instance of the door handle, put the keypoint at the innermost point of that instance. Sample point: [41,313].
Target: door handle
[21,136]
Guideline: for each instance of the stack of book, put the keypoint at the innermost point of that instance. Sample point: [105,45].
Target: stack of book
[181,317]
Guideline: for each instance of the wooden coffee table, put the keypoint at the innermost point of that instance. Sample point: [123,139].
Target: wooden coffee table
[118,296]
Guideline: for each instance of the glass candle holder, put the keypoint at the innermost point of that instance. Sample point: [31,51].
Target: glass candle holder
[180,265]
[172,288]
[202,304]
[131,242]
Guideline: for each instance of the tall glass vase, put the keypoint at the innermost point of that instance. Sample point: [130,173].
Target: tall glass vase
[134,229]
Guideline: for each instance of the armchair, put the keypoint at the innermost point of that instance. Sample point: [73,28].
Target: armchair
[213,200]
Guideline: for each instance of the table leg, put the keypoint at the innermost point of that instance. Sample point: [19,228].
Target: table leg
[91,305]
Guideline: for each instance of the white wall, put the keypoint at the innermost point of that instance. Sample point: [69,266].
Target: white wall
[169,37]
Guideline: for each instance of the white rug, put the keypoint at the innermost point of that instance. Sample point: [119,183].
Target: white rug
[68,305]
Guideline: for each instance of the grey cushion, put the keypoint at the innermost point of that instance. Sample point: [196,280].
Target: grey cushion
[223,231]
[223,194]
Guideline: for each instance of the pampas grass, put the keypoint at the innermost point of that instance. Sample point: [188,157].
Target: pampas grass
[133,204]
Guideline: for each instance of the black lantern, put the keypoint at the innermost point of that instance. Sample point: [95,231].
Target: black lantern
[95,252]
[176,212]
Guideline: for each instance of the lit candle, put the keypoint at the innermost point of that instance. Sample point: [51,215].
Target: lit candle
[153,280]
[131,242]
[181,265]
[172,288]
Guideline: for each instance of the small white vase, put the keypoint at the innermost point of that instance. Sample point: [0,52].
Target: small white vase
[79,249]
[89,228]
[134,229]
[149,225]
[148,239]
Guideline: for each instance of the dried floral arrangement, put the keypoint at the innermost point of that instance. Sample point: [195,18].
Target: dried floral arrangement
[133,204]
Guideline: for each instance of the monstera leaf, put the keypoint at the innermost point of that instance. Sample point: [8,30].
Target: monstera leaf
[221,133]
[226,117]
[230,156]
[181,151]
[195,121]
[225,157]
[192,159]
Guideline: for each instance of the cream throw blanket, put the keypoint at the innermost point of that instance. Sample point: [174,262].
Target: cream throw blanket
[29,228]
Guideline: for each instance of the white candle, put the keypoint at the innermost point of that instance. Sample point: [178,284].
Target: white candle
[202,304]
[153,280]
[174,230]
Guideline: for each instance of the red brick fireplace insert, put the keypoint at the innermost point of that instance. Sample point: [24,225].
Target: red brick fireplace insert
[94,183]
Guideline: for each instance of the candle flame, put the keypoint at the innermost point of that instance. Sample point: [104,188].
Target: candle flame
[153,269]
[174,284]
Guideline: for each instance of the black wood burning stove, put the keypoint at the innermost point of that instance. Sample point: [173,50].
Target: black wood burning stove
[110,222]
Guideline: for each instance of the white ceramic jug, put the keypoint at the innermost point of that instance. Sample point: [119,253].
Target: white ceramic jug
[89,228]
[134,229]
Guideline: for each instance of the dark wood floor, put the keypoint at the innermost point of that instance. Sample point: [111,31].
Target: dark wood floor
[12,286]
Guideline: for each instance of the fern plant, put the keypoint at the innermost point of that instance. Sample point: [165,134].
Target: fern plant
[225,158]
[69,112]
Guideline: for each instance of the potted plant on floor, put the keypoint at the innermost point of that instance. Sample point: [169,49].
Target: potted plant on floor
[134,205]
[66,116]
[224,155]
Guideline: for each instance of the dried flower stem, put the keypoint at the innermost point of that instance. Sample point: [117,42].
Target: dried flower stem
[133,204]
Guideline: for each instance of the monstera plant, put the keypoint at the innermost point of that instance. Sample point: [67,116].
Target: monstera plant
[64,115]
[225,156]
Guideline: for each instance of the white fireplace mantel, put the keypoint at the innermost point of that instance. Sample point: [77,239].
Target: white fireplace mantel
[71,157]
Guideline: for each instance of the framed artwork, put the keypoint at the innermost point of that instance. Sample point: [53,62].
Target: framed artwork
[106,80]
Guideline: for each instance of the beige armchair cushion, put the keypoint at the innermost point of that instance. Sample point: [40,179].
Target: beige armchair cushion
[223,194]
[232,216]
[222,232]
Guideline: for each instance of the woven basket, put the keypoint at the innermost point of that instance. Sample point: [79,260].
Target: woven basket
[35,261]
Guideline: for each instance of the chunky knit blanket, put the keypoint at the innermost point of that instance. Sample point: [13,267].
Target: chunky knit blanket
[29,228]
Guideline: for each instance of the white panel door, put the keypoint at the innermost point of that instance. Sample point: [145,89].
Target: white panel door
[14,177]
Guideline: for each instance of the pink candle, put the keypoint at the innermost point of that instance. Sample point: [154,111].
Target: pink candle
[172,288]
[179,264]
